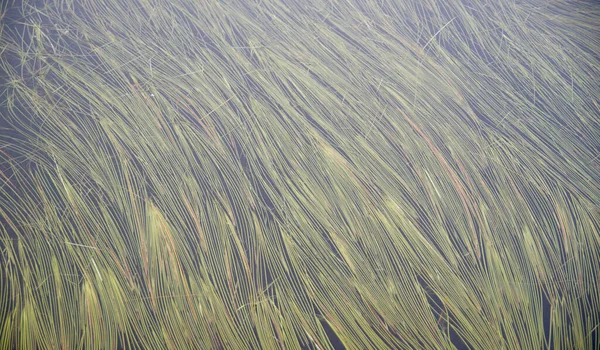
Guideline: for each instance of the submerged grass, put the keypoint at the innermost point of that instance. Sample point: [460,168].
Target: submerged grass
[392,174]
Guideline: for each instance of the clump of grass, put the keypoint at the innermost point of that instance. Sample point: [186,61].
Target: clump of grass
[307,175]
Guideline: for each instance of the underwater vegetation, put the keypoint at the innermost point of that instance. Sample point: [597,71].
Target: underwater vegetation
[280,174]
